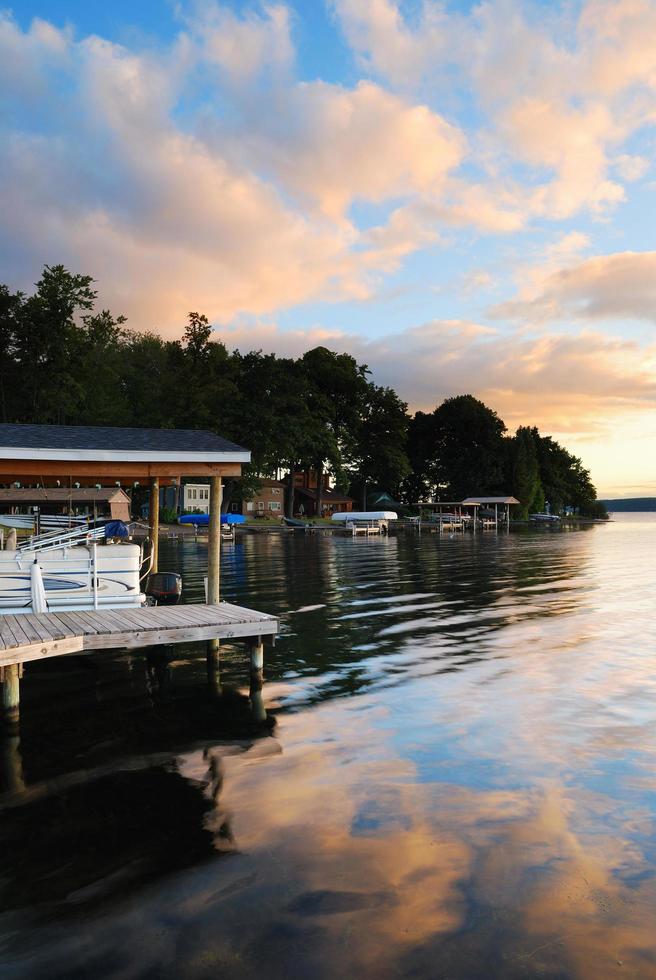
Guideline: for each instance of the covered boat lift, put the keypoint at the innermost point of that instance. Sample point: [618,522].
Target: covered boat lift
[449,514]
[84,456]
[505,503]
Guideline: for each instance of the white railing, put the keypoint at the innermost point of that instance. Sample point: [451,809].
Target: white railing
[62,539]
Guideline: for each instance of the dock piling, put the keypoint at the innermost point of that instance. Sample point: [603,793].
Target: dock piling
[256,650]
[153,520]
[10,678]
[214,559]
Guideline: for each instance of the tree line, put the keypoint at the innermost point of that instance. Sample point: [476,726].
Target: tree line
[66,362]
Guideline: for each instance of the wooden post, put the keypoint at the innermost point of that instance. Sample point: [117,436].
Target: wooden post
[214,569]
[10,677]
[256,651]
[214,543]
[11,765]
[289,495]
[257,698]
[319,497]
[153,513]
[214,668]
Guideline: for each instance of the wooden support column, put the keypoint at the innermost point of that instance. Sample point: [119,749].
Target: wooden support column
[256,653]
[214,567]
[214,543]
[11,765]
[153,514]
[10,717]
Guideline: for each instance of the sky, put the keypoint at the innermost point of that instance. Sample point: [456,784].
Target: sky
[460,194]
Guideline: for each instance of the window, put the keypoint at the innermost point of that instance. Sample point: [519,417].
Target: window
[249,505]
[275,491]
[260,505]
[275,505]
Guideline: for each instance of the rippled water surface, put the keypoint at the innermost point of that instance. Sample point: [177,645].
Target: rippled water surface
[456,778]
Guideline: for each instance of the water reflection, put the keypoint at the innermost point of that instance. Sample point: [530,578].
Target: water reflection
[460,784]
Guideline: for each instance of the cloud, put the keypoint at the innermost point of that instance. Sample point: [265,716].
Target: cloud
[330,146]
[560,382]
[555,105]
[242,47]
[247,217]
[387,45]
[621,285]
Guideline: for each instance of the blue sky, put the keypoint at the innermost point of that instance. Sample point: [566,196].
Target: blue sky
[459,194]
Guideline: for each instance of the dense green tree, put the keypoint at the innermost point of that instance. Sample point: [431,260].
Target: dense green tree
[63,361]
[336,390]
[525,471]
[422,451]
[565,480]
[48,332]
[10,311]
[380,458]
[459,449]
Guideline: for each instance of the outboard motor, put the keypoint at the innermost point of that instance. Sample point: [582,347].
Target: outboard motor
[165,588]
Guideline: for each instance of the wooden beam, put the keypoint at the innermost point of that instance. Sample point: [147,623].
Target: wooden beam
[214,543]
[13,469]
[153,521]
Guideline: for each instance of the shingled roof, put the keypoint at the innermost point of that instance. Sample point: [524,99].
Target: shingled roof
[61,495]
[114,439]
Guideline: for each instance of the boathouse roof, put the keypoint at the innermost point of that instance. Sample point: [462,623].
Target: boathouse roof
[490,500]
[91,442]
[62,495]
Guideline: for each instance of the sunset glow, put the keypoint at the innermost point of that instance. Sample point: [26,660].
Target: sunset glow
[459,194]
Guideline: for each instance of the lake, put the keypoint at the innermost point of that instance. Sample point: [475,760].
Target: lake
[457,778]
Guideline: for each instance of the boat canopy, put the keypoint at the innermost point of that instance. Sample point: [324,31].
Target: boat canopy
[365,515]
[203,520]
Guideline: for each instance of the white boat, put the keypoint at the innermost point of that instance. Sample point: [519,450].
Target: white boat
[46,522]
[68,571]
[544,518]
[364,515]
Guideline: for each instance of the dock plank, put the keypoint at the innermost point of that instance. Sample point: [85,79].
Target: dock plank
[37,634]
[138,619]
[78,621]
[21,637]
[7,638]
[29,637]
[98,621]
[65,629]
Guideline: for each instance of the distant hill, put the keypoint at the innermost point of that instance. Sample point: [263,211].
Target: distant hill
[630,504]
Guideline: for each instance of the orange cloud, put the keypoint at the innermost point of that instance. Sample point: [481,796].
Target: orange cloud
[622,285]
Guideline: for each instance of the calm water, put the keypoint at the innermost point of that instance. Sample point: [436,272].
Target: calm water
[458,777]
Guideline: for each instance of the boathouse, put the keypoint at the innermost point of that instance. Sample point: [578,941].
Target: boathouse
[79,456]
[100,502]
[494,509]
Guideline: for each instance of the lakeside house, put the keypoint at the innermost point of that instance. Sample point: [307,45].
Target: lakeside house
[196,497]
[306,487]
[269,501]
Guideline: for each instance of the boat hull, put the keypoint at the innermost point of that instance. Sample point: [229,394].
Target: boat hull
[68,578]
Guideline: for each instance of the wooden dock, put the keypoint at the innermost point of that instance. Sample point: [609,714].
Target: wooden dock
[28,637]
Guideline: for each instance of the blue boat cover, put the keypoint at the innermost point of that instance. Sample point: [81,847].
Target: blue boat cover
[116,529]
[202,520]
